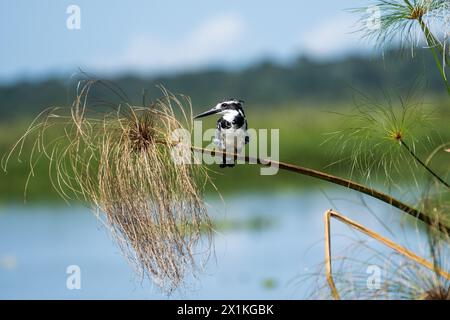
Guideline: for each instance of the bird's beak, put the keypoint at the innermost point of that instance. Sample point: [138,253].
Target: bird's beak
[207,113]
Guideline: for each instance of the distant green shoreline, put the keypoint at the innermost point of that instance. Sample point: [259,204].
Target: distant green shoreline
[302,135]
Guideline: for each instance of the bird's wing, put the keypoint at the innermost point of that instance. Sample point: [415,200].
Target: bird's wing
[218,141]
[247,137]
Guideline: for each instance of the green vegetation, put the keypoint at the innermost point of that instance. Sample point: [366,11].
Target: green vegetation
[262,86]
[410,20]
[305,130]
[309,101]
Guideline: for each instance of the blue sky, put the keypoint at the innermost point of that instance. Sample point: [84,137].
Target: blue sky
[152,37]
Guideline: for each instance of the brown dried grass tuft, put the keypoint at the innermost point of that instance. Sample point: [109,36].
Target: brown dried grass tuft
[120,163]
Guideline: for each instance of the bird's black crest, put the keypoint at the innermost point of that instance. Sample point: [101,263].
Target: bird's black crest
[233,99]
[232,103]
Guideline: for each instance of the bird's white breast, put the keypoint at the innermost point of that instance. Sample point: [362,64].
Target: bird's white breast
[232,139]
[229,115]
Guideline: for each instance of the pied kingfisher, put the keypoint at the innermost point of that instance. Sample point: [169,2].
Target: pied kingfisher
[231,131]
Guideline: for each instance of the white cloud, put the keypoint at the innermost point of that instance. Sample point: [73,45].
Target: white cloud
[332,36]
[210,41]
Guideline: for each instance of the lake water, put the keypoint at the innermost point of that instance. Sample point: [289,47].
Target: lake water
[37,244]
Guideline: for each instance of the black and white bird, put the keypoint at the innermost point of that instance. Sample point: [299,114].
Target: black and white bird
[231,131]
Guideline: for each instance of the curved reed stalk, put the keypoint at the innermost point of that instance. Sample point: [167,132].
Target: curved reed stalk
[399,249]
[335,180]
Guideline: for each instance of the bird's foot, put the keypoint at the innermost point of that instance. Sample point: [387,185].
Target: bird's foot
[224,165]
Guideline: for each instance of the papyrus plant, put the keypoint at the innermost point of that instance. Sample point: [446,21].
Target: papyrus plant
[118,161]
[412,23]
